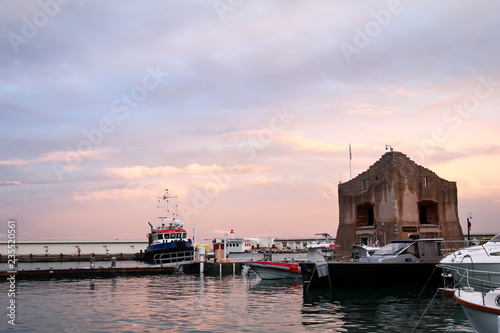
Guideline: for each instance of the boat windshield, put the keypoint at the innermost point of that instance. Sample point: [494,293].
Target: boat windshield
[390,249]
[495,239]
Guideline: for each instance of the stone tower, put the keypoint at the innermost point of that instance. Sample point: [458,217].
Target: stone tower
[393,199]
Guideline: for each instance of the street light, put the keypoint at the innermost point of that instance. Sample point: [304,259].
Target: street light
[469,225]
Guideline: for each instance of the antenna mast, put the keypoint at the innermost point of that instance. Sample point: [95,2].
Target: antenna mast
[350,158]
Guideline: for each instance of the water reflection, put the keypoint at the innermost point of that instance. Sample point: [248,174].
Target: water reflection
[388,309]
[229,304]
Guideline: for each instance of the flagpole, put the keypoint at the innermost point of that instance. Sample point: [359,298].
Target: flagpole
[350,158]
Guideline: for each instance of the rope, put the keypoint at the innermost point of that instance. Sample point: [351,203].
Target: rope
[430,277]
[312,274]
[423,314]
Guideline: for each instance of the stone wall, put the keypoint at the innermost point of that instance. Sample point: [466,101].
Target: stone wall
[396,186]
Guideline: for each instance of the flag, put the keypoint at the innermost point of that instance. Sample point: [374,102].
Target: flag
[350,154]
[232,231]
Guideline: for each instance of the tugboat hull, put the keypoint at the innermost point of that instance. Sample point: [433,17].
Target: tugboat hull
[183,249]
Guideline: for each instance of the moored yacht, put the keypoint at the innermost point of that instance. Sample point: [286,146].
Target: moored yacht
[479,298]
[411,261]
[479,259]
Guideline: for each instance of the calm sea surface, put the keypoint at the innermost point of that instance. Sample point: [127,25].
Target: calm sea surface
[188,303]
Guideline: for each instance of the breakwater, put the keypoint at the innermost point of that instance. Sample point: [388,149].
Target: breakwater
[190,267]
[67,257]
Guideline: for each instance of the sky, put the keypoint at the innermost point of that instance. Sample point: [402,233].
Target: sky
[244,110]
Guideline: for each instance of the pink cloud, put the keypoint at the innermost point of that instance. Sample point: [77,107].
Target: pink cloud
[13,162]
[397,92]
[302,143]
[10,182]
[362,109]
[141,171]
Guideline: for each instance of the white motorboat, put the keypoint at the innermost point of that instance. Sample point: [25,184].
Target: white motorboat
[274,270]
[479,259]
[267,269]
[481,304]
[483,310]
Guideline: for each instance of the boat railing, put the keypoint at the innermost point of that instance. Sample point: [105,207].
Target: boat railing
[471,279]
[172,257]
[451,246]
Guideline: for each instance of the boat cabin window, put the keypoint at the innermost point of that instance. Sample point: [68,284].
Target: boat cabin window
[413,249]
[179,235]
[184,235]
[390,249]
[160,236]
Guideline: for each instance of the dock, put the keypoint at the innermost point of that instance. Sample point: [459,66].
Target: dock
[215,268]
[84,273]
[188,267]
[68,257]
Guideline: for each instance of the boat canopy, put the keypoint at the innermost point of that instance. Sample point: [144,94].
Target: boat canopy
[391,249]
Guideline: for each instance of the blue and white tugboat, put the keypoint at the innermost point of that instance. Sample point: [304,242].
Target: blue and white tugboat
[168,242]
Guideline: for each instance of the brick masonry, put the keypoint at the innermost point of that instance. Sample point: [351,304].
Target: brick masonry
[402,198]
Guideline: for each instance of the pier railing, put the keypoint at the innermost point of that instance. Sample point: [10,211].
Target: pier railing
[173,257]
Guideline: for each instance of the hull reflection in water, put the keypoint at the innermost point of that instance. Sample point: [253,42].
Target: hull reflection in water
[382,309]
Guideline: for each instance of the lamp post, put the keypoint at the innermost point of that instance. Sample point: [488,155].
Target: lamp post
[469,225]
[225,246]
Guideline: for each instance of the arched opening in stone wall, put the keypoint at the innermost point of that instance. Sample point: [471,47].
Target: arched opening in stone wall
[365,215]
[428,212]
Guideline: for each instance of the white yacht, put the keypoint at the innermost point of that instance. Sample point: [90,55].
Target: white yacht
[478,260]
[480,303]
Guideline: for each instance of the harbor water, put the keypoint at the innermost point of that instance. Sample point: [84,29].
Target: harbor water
[193,303]
[229,304]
